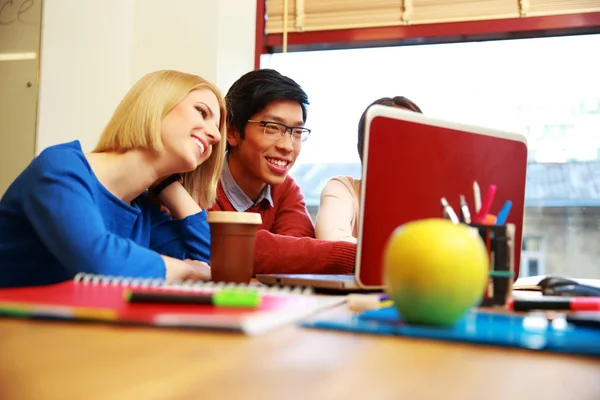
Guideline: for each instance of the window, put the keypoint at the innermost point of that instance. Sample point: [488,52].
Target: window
[532,244]
[532,256]
[533,267]
[545,88]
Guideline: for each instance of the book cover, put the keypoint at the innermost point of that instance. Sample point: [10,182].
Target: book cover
[102,299]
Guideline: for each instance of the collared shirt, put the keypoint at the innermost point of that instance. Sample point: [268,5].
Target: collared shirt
[239,200]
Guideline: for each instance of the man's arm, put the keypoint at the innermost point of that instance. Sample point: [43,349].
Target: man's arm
[290,246]
[292,255]
[292,217]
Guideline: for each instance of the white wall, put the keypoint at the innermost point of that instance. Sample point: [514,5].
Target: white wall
[93,51]
[211,38]
[179,35]
[85,68]
[237,32]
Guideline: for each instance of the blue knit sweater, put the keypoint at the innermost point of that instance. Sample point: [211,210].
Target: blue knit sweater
[56,219]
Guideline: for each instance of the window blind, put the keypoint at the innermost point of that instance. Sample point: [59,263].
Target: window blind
[317,15]
[534,8]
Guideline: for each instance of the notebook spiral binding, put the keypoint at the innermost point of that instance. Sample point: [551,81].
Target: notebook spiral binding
[187,285]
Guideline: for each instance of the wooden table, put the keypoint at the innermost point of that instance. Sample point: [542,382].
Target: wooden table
[58,360]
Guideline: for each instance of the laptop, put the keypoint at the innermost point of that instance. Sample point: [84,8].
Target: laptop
[410,162]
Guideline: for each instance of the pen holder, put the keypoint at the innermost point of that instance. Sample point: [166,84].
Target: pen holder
[499,242]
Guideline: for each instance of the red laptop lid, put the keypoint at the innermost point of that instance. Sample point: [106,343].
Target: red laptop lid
[411,161]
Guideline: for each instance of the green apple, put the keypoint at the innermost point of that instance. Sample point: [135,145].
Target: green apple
[435,271]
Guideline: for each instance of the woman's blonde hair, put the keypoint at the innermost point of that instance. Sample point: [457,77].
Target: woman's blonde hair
[137,123]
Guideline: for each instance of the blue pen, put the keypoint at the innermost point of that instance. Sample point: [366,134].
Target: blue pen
[503,214]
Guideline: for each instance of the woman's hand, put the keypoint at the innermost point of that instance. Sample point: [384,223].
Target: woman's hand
[178,270]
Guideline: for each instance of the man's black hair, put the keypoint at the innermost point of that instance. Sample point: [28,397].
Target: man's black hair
[257,89]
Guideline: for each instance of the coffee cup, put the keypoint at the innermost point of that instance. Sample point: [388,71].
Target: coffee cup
[233,235]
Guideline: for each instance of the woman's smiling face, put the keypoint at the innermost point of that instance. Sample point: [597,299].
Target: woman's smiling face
[191,128]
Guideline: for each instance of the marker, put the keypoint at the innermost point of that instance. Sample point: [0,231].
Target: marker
[503,214]
[244,299]
[448,212]
[486,203]
[556,303]
[465,214]
[476,197]
[588,319]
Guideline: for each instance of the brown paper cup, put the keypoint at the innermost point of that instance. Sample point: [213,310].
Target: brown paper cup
[233,235]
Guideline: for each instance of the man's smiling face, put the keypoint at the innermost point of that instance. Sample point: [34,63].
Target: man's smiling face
[266,158]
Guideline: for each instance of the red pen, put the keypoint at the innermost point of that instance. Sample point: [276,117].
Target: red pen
[556,303]
[486,204]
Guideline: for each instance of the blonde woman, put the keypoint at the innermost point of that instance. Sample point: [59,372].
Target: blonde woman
[337,218]
[100,212]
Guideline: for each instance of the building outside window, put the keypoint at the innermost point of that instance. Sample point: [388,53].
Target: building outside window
[532,256]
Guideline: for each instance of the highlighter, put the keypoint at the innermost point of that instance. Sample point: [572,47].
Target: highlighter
[225,298]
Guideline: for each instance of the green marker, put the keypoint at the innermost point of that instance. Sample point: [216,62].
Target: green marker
[223,298]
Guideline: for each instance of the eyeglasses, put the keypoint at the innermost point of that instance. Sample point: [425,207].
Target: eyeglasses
[276,131]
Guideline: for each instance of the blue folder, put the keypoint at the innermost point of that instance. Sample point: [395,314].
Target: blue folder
[533,331]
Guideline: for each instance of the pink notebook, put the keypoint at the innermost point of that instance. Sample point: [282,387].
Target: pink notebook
[101,299]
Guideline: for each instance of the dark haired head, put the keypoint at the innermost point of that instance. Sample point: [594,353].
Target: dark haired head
[257,89]
[398,102]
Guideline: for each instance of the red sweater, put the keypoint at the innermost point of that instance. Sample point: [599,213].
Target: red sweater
[285,242]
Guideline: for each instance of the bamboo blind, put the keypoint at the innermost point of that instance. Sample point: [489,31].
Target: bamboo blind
[317,15]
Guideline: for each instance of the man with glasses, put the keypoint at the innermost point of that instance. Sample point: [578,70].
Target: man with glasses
[266,113]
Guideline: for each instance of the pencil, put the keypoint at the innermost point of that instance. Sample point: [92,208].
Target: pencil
[476,197]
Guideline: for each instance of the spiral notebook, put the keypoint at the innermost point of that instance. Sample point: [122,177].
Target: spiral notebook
[101,299]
